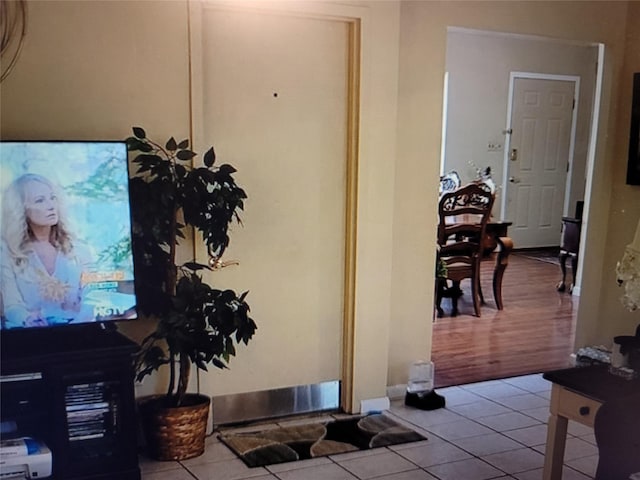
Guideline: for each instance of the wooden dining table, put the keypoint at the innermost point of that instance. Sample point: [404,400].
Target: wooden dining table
[495,237]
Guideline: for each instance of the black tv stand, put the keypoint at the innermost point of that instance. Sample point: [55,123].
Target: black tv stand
[72,388]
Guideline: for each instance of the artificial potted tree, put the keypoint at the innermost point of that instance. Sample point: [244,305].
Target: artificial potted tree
[196,323]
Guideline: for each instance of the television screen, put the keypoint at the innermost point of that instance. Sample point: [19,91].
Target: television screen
[66,233]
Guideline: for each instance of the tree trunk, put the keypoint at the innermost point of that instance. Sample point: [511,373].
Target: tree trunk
[183,379]
[172,373]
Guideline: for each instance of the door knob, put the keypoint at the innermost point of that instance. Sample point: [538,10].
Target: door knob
[514,180]
[513,154]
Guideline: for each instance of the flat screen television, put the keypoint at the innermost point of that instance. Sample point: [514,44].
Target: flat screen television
[66,234]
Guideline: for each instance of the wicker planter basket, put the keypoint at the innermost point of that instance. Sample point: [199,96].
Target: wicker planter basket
[174,433]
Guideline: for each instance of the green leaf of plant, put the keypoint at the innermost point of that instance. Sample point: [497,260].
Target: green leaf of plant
[185,155]
[218,363]
[181,171]
[227,169]
[209,157]
[171,145]
[139,132]
[194,266]
[135,144]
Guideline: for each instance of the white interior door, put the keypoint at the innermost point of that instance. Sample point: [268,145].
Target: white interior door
[274,101]
[539,159]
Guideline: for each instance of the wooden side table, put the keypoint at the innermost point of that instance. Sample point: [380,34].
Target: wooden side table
[577,394]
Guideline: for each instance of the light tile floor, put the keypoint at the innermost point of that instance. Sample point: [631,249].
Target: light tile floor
[488,430]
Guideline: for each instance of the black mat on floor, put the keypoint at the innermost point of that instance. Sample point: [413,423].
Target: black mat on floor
[547,255]
[299,442]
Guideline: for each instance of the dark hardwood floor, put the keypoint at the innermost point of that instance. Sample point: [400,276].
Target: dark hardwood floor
[534,332]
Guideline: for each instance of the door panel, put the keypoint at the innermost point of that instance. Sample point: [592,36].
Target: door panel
[546,207]
[523,194]
[541,134]
[275,104]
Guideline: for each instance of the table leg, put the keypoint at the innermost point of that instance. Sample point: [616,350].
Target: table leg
[502,260]
[574,268]
[441,286]
[563,268]
[554,450]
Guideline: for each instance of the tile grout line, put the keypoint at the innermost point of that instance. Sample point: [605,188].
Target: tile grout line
[524,446]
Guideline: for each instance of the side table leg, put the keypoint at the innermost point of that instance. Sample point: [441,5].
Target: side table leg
[554,451]
[574,268]
[563,268]
[502,260]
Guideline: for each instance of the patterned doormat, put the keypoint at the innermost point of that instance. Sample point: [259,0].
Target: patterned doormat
[300,442]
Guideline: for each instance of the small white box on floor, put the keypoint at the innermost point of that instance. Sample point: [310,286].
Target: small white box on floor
[374,405]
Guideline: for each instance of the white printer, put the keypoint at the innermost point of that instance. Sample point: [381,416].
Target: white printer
[24,458]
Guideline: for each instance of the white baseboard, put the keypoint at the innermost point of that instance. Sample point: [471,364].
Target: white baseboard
[371,405]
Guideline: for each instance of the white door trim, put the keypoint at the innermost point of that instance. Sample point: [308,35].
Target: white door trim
[574,120]
[445,113]
[591,156]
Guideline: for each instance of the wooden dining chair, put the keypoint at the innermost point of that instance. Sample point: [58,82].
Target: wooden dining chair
[463,216]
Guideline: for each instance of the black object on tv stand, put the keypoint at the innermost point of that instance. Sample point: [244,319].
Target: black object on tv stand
[72,388]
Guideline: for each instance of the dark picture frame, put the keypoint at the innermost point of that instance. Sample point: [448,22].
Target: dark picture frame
[633,167]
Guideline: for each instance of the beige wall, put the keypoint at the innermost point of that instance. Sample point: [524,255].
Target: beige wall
[90,70]
[625,199]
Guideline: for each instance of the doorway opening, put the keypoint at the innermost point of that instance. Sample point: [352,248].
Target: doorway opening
[483,69]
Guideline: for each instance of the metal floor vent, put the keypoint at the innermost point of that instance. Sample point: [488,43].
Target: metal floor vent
[251,406]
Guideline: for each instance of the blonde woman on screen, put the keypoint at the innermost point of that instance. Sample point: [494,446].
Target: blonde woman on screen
[41,266]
